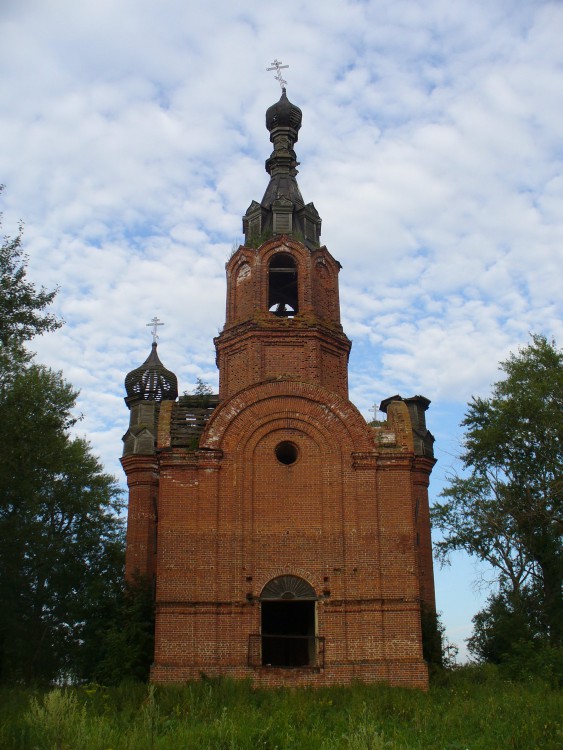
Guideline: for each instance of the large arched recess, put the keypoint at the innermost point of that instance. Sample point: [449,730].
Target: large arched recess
[312,510]
[284,397]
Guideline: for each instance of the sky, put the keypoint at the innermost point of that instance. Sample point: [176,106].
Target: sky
[133,141]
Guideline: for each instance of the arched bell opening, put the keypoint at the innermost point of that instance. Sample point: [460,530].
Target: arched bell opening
[283,297]
[288,623]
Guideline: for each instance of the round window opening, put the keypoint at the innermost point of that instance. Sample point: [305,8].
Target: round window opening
[286,452]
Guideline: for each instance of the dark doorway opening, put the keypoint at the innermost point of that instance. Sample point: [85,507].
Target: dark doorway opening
[288,633]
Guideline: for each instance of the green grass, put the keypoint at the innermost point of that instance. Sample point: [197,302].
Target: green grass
[472,708]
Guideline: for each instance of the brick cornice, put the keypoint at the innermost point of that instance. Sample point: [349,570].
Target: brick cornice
[274,326]
[138,463]
[395,461]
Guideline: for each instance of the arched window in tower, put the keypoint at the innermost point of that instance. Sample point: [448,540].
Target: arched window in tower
[282,286]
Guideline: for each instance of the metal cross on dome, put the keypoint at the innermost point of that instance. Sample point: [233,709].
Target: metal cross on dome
[155,322]
[277,66]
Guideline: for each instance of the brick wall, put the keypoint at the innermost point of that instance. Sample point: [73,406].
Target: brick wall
[232,517]
[344,508]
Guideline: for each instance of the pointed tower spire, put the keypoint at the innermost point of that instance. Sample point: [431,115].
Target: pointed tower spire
[282,209]
[283,120]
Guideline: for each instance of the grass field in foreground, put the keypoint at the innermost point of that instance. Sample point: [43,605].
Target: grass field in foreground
[470,708]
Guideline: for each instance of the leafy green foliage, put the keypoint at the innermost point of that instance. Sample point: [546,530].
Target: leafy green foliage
[199,396]
[59,527]
[61,538]
[202,389]
[509,618]
[510,631]
[257,240]
[22,307]
[439,654]
[127,641]
[508,510]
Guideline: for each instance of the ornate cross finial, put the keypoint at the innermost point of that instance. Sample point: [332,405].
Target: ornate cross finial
[155,322]
[277,66]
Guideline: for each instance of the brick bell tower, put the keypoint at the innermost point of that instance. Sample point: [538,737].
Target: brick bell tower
[288,539]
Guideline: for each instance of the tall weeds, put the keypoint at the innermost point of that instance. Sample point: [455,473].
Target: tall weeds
[471,709]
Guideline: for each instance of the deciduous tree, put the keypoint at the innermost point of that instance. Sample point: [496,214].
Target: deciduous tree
[61,537]
[508,509]
[23,309]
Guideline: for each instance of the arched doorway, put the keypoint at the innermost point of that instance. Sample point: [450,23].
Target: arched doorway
[288,623]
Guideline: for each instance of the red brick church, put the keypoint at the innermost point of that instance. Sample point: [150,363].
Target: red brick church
[288,539]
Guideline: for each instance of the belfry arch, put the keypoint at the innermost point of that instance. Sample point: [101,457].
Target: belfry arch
[283,287]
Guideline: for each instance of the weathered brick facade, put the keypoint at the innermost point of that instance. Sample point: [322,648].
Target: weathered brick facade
[289,540]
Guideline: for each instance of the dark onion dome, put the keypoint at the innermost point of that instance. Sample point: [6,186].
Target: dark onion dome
[152,381]
[283,114]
